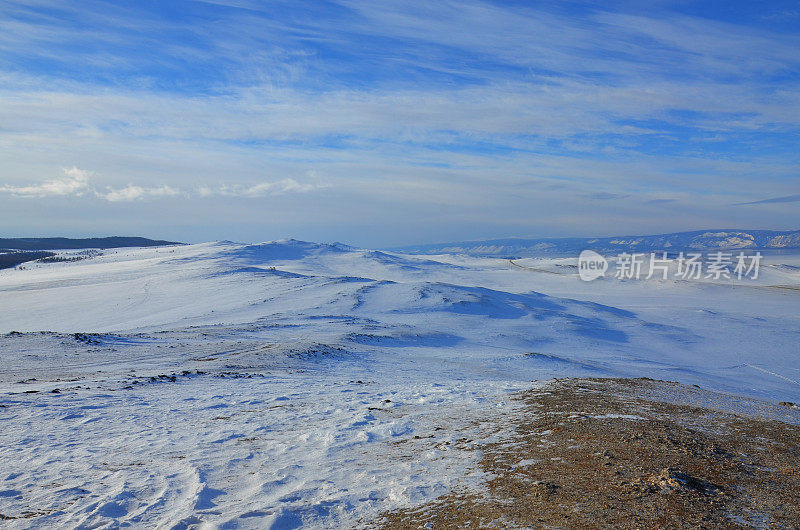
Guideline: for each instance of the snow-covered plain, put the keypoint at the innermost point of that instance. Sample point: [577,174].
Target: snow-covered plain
[293,383]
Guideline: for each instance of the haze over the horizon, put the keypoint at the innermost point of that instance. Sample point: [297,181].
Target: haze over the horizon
[383,123]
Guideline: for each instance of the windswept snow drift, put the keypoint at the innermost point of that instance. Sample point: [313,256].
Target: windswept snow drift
[291,382]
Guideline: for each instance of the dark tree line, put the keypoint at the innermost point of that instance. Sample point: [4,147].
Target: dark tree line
[65,243]
[12,259]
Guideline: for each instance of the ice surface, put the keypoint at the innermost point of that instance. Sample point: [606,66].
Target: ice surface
[293,383]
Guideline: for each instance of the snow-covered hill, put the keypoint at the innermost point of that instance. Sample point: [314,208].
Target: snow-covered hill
[294,364]
[477,310]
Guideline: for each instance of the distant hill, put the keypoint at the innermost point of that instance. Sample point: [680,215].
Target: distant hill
[699,240]
[64,243]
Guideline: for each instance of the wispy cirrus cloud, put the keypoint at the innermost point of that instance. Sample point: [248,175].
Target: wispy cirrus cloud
[261,189]
[787,198]
[133,193]
[604,106]
[605,196]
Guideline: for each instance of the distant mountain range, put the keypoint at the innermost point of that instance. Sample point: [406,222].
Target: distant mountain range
[65,243]
[698,240]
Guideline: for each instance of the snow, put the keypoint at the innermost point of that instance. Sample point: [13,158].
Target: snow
[249,452]
[292,383]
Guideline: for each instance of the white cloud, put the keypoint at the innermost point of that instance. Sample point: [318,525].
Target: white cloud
[464,104]
[132,193]
[261,189]
[281,186]
[74,182]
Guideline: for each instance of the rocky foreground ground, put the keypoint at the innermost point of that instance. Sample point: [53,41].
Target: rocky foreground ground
[631,453]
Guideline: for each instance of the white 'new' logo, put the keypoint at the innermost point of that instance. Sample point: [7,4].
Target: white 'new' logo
[591,265]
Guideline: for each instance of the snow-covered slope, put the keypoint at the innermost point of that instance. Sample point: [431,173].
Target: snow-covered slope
[183,369]
[448,306]
[482,311]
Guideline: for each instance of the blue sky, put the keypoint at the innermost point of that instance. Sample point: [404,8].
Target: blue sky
[383,123]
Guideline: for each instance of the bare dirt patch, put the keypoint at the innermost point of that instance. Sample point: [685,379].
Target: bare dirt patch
[627,453]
